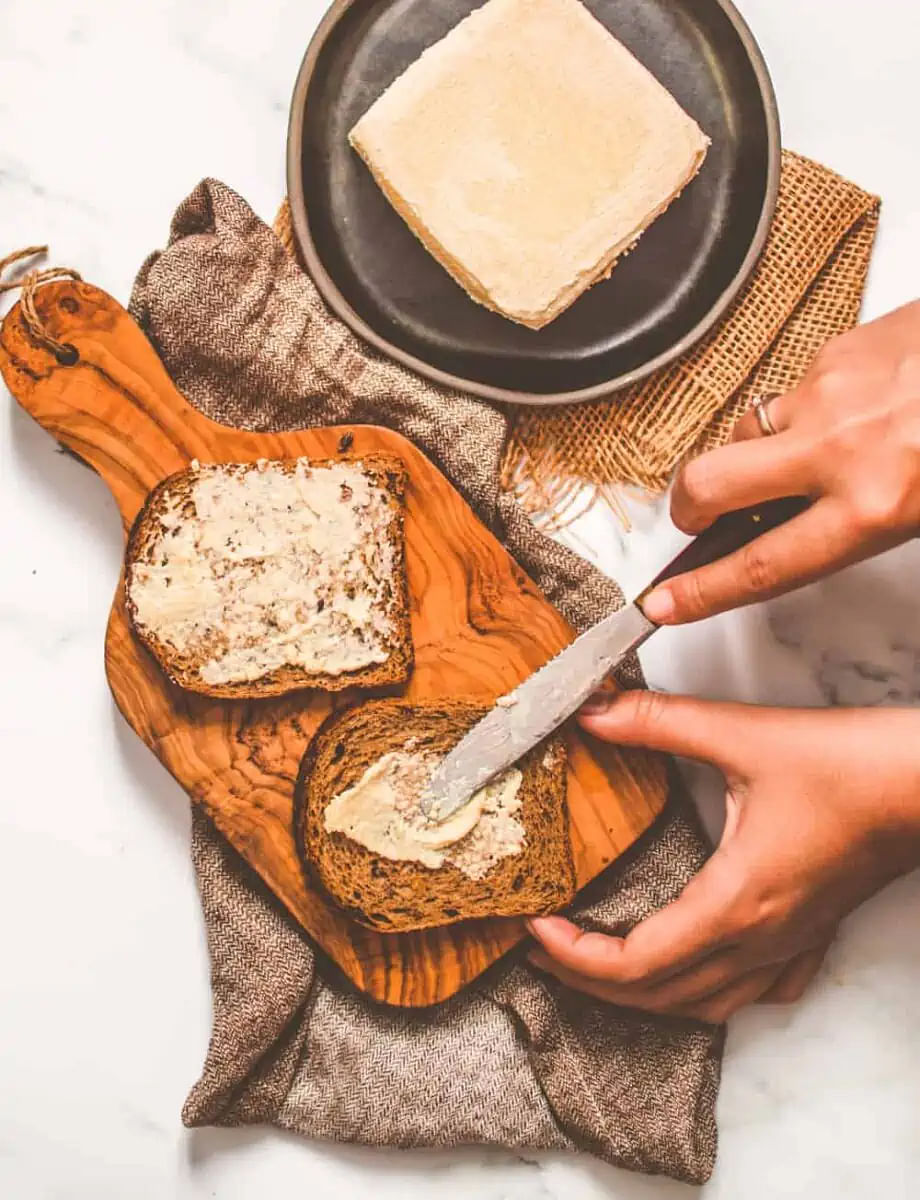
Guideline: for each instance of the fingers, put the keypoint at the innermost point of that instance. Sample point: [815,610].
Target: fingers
[687,987]
[698,729]
[780,409]
[719,1006]
[746,428]
[592,956]
[713,1007]
[737,475]
[809,546]
[795,977]
[579,983]
[693,927]
[708,990]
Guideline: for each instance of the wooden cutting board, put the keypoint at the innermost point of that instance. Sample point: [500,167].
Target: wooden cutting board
[479,625]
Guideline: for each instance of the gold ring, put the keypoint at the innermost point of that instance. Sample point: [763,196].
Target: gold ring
[762,413]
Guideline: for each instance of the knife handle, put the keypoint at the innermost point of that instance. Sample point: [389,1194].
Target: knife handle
[729,533]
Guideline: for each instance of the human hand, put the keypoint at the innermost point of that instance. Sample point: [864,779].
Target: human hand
[848,437]
[823,810]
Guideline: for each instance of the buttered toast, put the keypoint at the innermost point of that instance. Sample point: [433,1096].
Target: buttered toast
[255,579]
[515,859]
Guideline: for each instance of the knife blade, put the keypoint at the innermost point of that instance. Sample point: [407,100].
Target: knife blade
[543,701]
[534,709]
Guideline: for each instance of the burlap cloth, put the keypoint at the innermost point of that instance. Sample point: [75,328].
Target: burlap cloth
[807,287]
[515,1060]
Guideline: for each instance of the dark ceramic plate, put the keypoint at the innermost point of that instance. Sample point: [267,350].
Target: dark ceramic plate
[661,298]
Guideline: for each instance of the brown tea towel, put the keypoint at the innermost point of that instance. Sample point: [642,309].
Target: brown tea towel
[515,1060]
[807,287]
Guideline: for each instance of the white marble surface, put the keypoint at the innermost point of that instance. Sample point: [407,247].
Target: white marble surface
[109,113]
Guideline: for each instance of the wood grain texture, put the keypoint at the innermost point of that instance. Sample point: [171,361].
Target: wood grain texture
[479,624]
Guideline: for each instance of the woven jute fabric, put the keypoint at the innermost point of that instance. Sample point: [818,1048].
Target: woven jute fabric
[807,287]
[515,1060]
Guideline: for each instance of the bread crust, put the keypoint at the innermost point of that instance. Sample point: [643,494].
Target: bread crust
[389,472]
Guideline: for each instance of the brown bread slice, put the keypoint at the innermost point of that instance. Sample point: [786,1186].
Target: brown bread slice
[396,896]
[384,472]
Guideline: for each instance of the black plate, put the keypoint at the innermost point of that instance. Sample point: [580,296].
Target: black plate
[661,298]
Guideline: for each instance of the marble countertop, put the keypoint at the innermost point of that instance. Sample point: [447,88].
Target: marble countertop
[110,113]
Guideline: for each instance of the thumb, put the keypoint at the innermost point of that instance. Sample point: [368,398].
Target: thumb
[698,729]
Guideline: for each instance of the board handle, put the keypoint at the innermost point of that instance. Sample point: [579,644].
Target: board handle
[105,395]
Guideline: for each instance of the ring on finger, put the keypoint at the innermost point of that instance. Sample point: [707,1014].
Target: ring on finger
[760,406]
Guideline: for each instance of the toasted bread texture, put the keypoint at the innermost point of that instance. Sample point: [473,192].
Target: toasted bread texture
[528,150]
[399,895]
[254,579]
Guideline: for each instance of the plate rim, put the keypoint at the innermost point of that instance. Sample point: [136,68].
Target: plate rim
[333,297]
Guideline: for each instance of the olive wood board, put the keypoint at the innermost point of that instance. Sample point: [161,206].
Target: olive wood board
[479,625]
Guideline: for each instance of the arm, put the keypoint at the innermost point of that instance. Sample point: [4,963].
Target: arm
[823,810]
[848,438]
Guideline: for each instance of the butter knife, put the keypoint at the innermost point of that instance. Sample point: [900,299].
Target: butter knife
[541,703]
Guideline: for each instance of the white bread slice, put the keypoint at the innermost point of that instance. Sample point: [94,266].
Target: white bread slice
[528,150]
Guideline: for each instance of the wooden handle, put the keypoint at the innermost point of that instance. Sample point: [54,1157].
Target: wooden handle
[730,533]
[119,412]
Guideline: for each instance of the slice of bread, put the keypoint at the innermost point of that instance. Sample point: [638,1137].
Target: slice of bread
[255,579]
[402,895]
[528,150]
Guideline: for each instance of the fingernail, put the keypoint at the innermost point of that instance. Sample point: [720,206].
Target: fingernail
[546,925]
[597,703]
[658,605]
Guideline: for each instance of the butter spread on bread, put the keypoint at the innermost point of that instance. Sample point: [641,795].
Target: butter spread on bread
[366,761]
[273,575]
[383,812]
[528,150]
